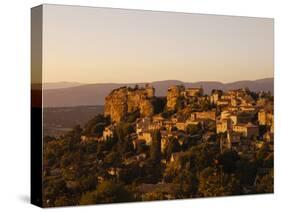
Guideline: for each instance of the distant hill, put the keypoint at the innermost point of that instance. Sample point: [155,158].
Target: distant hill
[59,120]
[94,94]
[59,85]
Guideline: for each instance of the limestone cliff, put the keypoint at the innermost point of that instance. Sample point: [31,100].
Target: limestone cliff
[126,100]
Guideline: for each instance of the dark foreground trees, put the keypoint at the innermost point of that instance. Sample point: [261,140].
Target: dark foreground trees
[106,192]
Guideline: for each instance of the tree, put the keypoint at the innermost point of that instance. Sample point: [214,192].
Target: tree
[107,192]
[152,196]
[141,147]
[246,171]
[179,103]
[61,201]
[188,183]
[54,189]
[201,156]
[193,129]
[97,129]
[96,125]
[172,171]
[158,104]
[89,197]
[228,161]
[212,184]
[265,183]
[113,159]
[155,148]
[173,146]
[126,145]
[76,134]
[88,182]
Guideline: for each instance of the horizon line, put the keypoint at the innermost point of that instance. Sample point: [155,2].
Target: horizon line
[88,83]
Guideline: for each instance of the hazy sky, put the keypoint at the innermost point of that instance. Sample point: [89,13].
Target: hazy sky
[98,45]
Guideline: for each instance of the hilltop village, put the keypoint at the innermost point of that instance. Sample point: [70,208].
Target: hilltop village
[242,119]
[184,145]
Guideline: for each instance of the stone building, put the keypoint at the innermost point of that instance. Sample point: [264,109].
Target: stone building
[223,125]
[194,92]
[265,117]
[247,130]
[204,115]
[146,136]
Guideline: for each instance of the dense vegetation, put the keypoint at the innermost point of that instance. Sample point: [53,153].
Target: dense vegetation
[78,173]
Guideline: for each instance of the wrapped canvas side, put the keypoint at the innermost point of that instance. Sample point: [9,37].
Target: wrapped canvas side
[36,105]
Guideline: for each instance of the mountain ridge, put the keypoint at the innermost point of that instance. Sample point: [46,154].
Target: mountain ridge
[95,93]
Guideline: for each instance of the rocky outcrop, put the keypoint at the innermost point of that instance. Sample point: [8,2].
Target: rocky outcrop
[174,93]
[126,100]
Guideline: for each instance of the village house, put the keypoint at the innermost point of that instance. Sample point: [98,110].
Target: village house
[86,139]
[146,136]
[181,126]
[135,159]
[265,117]
[175,157]
[158,119]
[268,136]
[190,122]
[225,115]
[215,96]
[247,130]
[108,132]
[203,115]
[247,108]
[194,92]
[113,171]
[164,143]
[227,97]
[168,125]
[232,108]
[234,102]
[222,125]
[241,117]
[223,103]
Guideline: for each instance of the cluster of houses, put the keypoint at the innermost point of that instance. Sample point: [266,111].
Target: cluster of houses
[235,115]
[241,118]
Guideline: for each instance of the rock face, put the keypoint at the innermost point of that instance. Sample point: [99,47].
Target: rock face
[179,94]
[173,95]
[126,100]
